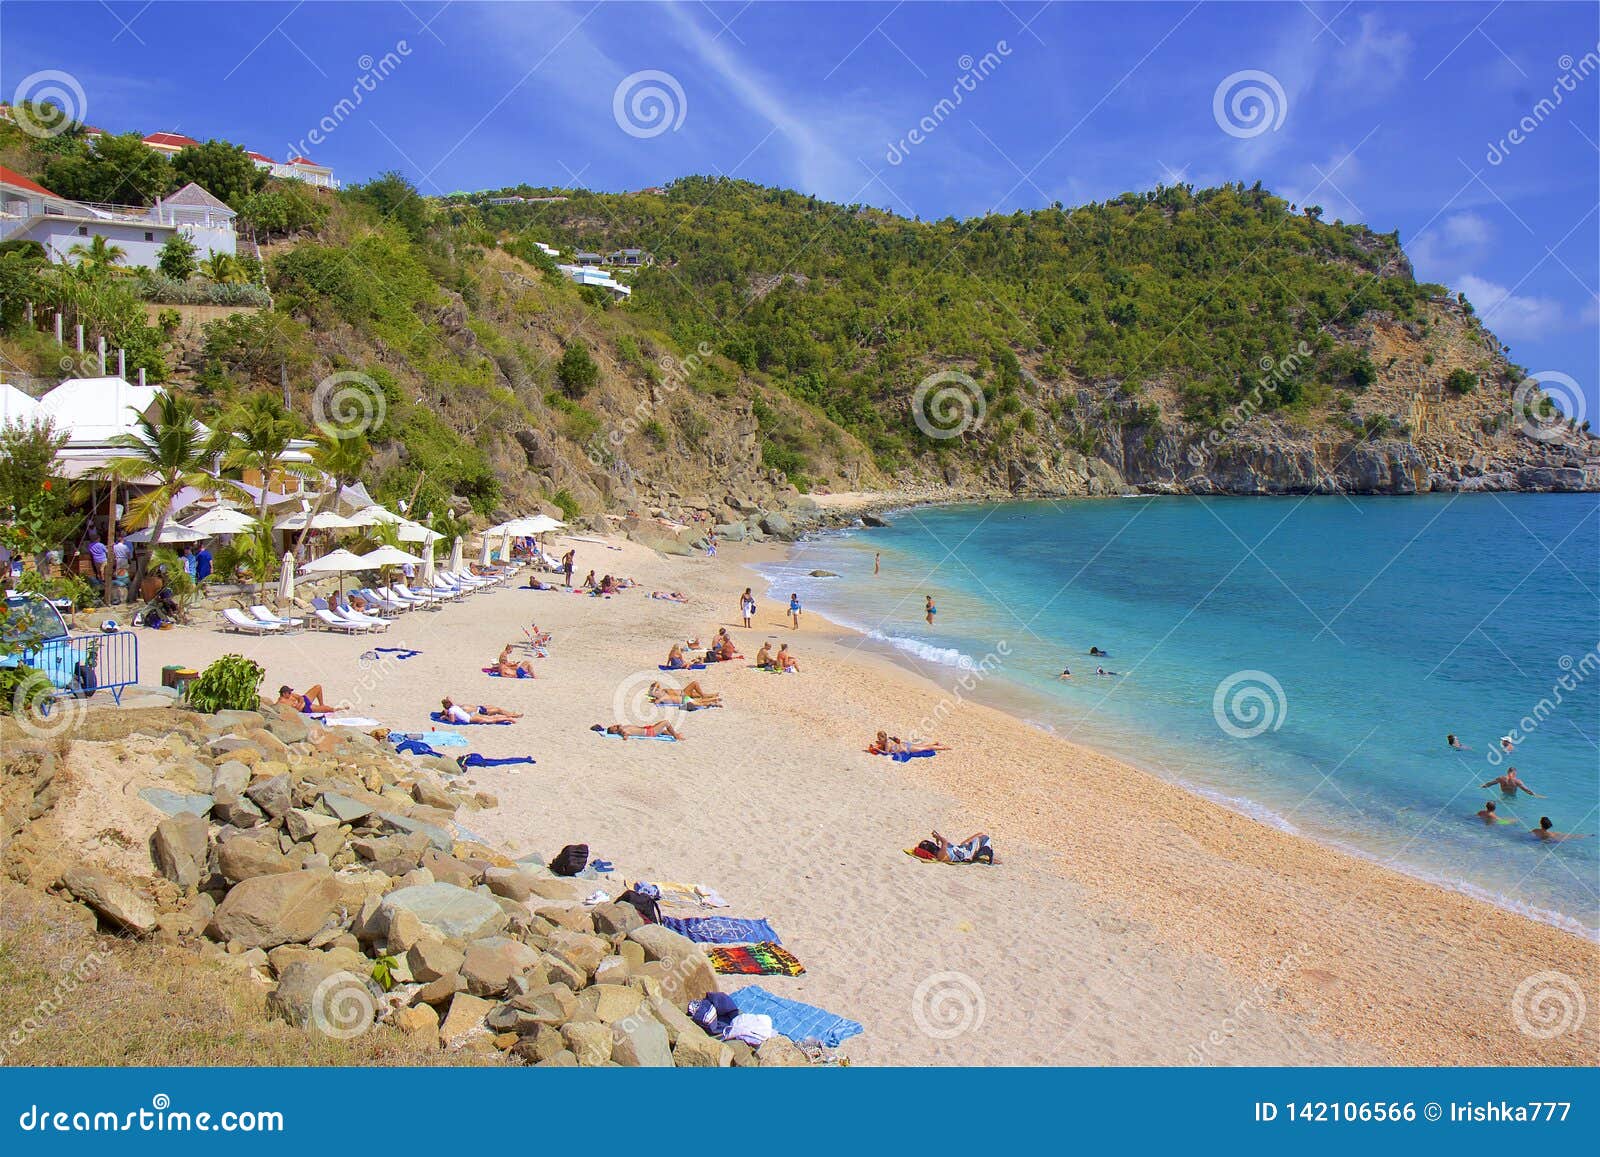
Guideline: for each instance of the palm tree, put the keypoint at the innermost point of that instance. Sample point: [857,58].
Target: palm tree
[222,268]
[341,457]
[262,430]
[98,257]
[172,448]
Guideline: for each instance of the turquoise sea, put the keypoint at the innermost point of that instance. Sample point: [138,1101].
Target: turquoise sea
[1298,659]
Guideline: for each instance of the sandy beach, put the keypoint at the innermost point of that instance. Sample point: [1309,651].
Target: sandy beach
[1129,922]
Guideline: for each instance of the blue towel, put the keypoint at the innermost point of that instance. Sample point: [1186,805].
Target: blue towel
[797,1021]
[400,652]
[473,759]
[902,756]
[414,747]
[690,667]
[721,929]
[634,738]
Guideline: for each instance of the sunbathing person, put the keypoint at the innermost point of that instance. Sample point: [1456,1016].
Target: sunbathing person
[632,731]
[764,658]
[690,695]
[975,849]
[887,744]
[675,658]
[310,703]
[786,661]
[509,668]
[588,583]
[608,585]
[670,596]
[484,714]
[722,648]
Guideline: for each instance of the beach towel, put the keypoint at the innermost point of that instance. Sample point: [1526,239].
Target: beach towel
[439,717]
[722,930]
[902,756]
[689,896]
[399,652]
[690,667]
[349,721]
[795,1020]
[763,959]
[414,747]
[473,759]
[646,738]
[494,673]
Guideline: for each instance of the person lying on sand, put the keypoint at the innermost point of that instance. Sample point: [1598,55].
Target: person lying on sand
[484,714]
[670,596]
[632,731]
[1489,816]
[1455,743]
[1510,784]
[509,668]
[786,661]
[886,744]
[975,849]
[1546,831]
[310,703]
[690,695]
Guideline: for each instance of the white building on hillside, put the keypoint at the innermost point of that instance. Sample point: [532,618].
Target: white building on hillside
[591,275]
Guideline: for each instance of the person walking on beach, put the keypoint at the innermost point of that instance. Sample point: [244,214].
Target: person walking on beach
[568,561]
[929,610]
[747,608]
[1510,784]
[1546,831]
[794,611]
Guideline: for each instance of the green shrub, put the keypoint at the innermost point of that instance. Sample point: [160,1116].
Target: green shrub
[231,683]
[1461,381]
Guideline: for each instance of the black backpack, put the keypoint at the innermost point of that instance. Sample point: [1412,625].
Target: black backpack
[571,860]
[85,680]
[647,906]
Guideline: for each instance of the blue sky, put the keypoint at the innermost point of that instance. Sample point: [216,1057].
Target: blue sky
[1397,115]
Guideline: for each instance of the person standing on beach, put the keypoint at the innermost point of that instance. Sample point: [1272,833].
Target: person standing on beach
[568,560]
[1510,784]
[747,608]
[794,611]
[877,558]
[929,610]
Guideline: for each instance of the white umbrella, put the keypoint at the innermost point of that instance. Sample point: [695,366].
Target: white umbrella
[416,532]
[323,520]
[223,520]
[455,556]
[388,556]
[171,532]
[426,580]
[373,515]
[505,547]
[485,556]
[286,579]
[540,523]
[338,562]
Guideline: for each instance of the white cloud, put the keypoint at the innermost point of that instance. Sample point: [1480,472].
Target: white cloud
[1512,316]
[1456,241]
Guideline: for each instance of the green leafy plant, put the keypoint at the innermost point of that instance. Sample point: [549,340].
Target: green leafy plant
[231,683]
[383,971]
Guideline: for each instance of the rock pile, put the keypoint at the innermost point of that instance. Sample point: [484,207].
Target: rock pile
[319,862]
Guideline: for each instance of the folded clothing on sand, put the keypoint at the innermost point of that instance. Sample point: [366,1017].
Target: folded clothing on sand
[795,1020]
[764,959]
[722,929]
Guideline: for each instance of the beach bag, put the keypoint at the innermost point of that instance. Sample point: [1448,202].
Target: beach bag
[646,905]
[571,860]
[85,681]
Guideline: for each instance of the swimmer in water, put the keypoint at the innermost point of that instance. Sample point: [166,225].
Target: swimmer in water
[1509,785]
[1103,671]
[1506,745]
[1455,743]
[1098,651]
[1066,673]
[929,610]
[1547,833]
[1489,816]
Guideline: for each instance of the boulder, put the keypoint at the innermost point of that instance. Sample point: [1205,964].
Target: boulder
[780,1052]
[230,774]
[589,1040]
[677,1021]
[272,795]
[289,728]
[552,1004]
[699,1051]
[244,857]
[572,917]
[407,825]
[230,807]
[283,908]
[437,992]
[180,848]
[489,964]
[317,993]
[175,803]
[582,951]
[418,1020]
[448,868]
[425,791]
[344,809]
[640,1042]
[464,1021]
[777,525]
[114,902]
[612,919]
[610,1003]
[431,959]
[304,825]
[689,975]
[452,913]
[512,883]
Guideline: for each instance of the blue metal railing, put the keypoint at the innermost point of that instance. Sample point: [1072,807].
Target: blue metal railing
[84,664]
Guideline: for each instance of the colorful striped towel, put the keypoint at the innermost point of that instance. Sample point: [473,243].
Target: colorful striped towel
[795,1020]
[721,929]
[764,959]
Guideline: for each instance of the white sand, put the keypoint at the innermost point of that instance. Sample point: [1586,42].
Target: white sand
[1188,933]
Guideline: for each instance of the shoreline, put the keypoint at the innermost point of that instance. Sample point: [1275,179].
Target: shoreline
[1184,934]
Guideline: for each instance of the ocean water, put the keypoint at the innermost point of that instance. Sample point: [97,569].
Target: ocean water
[1298,659]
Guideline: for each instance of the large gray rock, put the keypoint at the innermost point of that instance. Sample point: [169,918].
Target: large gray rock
[777,525]
[304,825]
[689,973]
[179,846]
[640,1042]
[345,809]
[273,795]
[436,835]
[512,883]
[230,774]
[490,963]
[452,913]
[244,857]
[230,807]
[175,803]
[318,993]
[287,908]
[114,902]
[431,959]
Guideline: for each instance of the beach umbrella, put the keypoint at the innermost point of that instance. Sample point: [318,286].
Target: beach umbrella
[322,520]
[426,578]
[372,515]
[337,562]
[223,520]
[455,556]
[542,523]
[388,556]
[286,579]
[171,532]
[486,555]
[416,532]
[505,546]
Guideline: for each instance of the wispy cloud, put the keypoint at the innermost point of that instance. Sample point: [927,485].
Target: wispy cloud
[1513,316]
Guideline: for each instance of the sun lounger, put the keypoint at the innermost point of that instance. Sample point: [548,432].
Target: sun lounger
[384,602]
[415,596]
[361,619]
[239,621]
[405,598]
[265,616]
[334,623]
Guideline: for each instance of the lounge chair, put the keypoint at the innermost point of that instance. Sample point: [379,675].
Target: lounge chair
[371,622]
[240,621]
[417,598]
[386,602]
[263,615]
[334,623]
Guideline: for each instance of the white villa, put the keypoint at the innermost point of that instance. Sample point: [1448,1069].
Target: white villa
[29,211]
[593,275]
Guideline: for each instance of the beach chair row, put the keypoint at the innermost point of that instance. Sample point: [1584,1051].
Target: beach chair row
[391,600]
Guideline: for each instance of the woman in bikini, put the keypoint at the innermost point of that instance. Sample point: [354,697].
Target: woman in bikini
[929,610]
[675,659]
[887,744]
[484,714]
[786,661]
[633,731]
[690,695]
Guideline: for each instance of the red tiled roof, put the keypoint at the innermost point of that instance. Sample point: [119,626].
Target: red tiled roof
[303,161]
[177,140]
[254,156]
[10,177]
